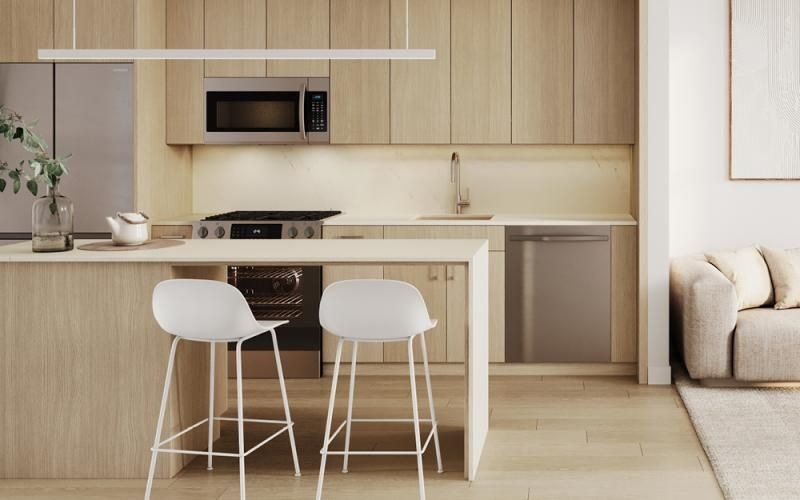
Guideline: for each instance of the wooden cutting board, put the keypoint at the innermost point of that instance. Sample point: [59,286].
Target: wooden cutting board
[109,246]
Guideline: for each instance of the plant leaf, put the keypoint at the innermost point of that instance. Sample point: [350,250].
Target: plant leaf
[33,187]
[18,133]
[17,184]
[2,185]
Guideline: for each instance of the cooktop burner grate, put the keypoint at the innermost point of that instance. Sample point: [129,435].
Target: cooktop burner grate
[298,215]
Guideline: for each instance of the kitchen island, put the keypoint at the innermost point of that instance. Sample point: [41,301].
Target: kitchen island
[84,360]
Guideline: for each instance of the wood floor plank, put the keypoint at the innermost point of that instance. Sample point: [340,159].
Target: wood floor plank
[565,438]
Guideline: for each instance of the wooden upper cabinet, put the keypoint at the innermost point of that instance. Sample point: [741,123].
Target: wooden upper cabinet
[480,71]
[359,95]
[185,78]
[298,24]
[541,71]
[605,71]
[25,27]
[100,24]
[420,90]
[236,24]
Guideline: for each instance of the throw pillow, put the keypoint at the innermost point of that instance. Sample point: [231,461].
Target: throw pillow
[748,272]
[784,266]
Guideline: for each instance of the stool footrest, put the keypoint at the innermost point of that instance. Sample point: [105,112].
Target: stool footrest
[434,427]
[286,427]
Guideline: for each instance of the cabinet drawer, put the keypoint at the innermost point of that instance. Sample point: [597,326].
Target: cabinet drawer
[495,234]
[171,232]
[352,232]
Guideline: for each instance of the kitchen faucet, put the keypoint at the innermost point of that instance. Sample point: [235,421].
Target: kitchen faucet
[455,177]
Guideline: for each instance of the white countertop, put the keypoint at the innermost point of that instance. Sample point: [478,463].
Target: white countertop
[243,252]
[347,219]
[497,220]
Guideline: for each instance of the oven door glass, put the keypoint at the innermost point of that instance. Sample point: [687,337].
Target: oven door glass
[269,111]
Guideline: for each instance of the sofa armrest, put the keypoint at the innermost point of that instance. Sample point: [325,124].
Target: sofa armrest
[703,315]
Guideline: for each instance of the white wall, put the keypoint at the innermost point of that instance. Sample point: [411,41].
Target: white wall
[413,179]
[707,210]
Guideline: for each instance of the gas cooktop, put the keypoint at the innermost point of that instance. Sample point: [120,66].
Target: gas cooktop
[256,216]
[272,225]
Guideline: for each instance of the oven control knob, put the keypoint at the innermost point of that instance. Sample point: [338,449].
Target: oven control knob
[219,231]
[292,232]
[202,232]
[309,232]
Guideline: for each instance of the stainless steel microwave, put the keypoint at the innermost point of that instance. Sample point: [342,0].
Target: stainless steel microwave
[266,110]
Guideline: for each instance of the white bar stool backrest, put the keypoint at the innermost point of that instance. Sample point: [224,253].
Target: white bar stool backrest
[374,309]
[203,310]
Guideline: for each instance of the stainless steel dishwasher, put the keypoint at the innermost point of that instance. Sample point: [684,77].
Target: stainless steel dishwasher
[558,294]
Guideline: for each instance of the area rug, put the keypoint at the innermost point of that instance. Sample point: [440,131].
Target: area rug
[751,438]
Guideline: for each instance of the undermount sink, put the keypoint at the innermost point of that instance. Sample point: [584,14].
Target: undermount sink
[456,217]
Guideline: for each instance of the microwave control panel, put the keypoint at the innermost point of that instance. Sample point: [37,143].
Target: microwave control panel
[318,112]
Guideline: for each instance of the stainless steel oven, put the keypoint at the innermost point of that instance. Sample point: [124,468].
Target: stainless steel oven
[266,110]
[276,292]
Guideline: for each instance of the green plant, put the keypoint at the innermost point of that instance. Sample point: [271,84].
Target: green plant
[41,166]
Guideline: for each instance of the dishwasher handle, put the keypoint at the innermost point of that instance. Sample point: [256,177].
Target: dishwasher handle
[557,238]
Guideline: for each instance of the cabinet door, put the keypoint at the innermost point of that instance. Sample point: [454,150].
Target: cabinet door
[457,312]
[101,24]
[541,71]
[359,89]
[236,24]
[185,78]
[431,282]
[605,93]
[420,90]
[624,264]
[298,24]
[481,71]
[25,27]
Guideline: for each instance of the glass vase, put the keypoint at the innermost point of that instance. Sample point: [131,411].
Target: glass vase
[52,222]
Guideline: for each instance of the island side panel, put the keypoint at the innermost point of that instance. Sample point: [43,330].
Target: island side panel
[476,409]
[84,370]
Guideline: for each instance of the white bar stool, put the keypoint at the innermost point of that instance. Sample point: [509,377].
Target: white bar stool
[213,311]
[377,311]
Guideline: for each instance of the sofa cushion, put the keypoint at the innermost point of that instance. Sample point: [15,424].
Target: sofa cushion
[748,272]
[784,267]
[766,345]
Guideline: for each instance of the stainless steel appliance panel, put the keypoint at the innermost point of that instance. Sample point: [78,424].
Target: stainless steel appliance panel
[94,122]
[558,294]
[266,110]
[28,90]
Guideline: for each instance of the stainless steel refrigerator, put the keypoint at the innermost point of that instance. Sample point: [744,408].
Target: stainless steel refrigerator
[81,109]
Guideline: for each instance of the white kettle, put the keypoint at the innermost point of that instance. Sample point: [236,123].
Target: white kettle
[129,228]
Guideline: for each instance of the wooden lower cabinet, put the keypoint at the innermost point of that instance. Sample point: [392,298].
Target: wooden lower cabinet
[170,232]
[624,291]
[431,282]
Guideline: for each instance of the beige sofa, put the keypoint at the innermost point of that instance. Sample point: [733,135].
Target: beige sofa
[719,342]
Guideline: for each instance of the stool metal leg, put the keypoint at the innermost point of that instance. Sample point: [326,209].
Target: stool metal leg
[430,404]
[240,420]
[285,403]
[160,425]
[212,369]
[350,407]
[415,409]
[324,451]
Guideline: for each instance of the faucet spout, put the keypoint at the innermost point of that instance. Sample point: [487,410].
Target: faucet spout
[455,178]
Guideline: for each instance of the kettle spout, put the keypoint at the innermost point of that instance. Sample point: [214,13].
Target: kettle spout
[113,224]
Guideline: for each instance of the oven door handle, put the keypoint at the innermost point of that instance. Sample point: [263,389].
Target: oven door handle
[302,112]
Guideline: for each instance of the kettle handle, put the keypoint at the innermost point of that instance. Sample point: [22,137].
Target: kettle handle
[126,219]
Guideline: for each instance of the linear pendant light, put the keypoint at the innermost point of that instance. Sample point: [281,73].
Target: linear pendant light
[233,54]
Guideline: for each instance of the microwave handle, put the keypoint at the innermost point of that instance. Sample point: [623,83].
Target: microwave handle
[302,112]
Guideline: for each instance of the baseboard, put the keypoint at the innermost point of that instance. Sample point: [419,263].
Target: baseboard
[498,369]
[732,383]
